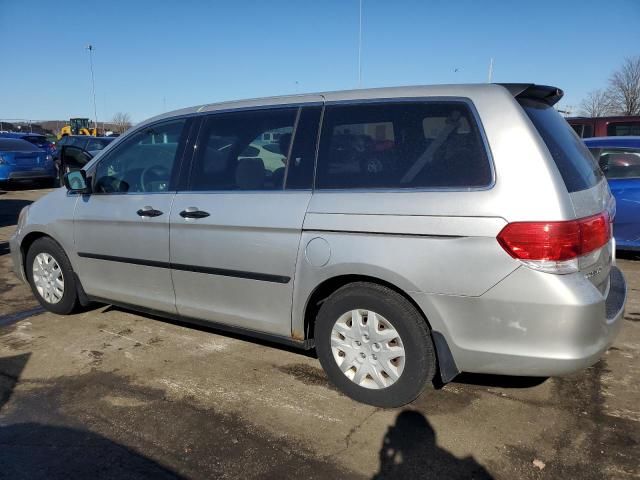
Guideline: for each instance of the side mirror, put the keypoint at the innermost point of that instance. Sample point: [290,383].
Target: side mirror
[76,181]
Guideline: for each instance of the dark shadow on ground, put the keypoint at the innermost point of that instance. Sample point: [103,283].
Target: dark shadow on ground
[410,450]
[627,255]
[19,185]
[499,381]
[4,248]
[10,209]
[219,331]
[36,451]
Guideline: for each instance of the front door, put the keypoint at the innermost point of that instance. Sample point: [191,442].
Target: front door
[121,230]
[236,228]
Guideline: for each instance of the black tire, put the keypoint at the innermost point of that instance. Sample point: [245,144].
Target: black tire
[69,301]
[420,358]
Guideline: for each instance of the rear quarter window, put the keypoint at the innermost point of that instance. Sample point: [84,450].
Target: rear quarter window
[577,166]
[402,145]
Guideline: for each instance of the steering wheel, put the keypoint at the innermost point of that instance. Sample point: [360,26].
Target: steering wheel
[160,173]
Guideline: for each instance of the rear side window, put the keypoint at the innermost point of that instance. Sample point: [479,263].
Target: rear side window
[402,145]
[618,162]
[576,165]
[243,150]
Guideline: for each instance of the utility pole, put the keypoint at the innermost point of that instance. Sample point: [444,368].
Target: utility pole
[490,71]
[93,88]
[360,47]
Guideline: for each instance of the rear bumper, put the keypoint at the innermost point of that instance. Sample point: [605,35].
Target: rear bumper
[531,323]
[28,173]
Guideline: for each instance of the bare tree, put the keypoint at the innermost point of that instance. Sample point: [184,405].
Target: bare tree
[597,103]
[624,87]
[122,121]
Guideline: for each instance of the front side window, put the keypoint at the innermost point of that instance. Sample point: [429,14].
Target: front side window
[143,162]
[618,162]
[402,145]
[243,150]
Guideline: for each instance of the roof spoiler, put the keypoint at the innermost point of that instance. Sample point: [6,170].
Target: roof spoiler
[542,93]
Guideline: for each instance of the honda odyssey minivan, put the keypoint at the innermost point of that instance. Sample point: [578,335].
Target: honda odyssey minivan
[401,232]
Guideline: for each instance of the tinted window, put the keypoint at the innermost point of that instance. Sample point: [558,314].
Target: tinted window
[576,165]
[587,131]
[76,141]
[15,145]
[623,129]
[402,145]
[301,162]
[577,127]
[143,162]
[618,162]
[98,143]
[243,150]
[36,140]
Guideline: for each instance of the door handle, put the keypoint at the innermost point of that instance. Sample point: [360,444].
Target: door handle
[149,211]
[193,212]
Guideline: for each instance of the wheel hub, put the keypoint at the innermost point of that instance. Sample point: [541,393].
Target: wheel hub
[48,278]
[368,349]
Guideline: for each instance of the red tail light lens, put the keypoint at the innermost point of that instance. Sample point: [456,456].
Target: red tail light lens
[555,241]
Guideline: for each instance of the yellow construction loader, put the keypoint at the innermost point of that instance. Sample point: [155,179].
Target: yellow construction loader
[77,126]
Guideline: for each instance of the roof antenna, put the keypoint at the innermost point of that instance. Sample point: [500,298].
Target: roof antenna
[490,71]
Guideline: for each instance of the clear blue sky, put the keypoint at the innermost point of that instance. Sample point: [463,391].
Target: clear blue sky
[152,56]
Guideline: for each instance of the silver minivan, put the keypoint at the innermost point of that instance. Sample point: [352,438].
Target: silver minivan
[401,232]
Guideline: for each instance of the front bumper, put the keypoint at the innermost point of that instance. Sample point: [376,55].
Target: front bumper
[531,323]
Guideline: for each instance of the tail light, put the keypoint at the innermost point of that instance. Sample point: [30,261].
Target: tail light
[555,246]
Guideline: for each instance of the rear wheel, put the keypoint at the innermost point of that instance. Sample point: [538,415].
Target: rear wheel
[51,277]
[374,345]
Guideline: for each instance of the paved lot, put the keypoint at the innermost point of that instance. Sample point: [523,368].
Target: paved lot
[112,394]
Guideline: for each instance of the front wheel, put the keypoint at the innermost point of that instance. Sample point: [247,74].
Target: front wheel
[51,277]
[374,345]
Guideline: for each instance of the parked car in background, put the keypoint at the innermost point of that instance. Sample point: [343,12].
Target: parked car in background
[86,142]
[22,160]
[587,127]
[89,144]
[619,159]
[36,139]
[428,230]
[71,158]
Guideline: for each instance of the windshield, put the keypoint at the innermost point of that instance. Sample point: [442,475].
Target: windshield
[576,165]
[36,140]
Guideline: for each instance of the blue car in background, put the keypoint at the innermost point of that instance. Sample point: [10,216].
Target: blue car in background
[38,140]
[21,160]
[619,159]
